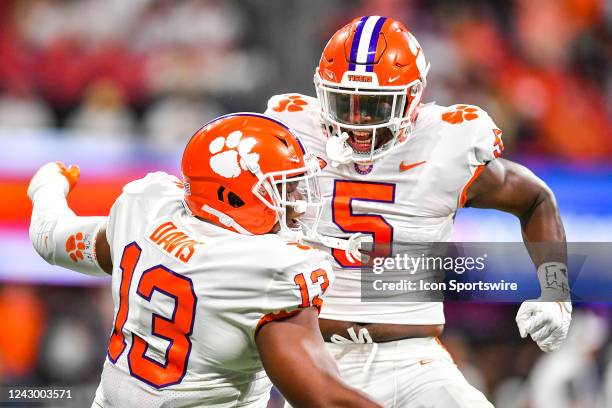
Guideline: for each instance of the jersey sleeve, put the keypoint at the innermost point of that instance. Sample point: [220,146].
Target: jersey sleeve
[299,112]
[137,200]
[300,283]
[285,105]
[303,115]
[155,184]
[487,141]
[482,145]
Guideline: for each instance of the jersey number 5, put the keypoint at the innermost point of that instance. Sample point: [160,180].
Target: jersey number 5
[176,330]
[342,215]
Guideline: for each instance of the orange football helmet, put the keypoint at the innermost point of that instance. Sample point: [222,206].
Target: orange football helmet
[369,81]
[241,171]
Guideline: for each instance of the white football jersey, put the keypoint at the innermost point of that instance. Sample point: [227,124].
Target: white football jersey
[410,195]
[189,298]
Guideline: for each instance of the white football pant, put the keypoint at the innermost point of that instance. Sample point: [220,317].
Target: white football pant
[409,373]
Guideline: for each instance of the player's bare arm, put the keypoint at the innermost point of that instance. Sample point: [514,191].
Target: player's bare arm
[312,379]
[510,187]
[103,251]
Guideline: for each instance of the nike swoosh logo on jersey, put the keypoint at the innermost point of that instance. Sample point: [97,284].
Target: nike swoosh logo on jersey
[393,79]
[425,362]
[403,167]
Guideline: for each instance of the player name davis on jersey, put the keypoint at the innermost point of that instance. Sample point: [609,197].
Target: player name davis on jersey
[169,239]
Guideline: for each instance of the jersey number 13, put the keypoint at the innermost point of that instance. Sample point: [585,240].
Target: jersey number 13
[176,330]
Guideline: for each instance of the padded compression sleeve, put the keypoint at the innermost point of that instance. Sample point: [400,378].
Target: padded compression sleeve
[61,237]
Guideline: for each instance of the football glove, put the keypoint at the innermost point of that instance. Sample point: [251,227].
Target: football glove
[54,174]
[546,322]
[338,151]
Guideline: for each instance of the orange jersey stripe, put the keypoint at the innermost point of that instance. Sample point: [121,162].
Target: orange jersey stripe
[463,197]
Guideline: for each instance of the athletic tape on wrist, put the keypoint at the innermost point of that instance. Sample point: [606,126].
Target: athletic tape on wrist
[554,283]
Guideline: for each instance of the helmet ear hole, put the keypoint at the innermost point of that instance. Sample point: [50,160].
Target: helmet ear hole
[220,193]
[234,200]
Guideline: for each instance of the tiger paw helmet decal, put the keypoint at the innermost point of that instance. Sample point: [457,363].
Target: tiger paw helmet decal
[230,153]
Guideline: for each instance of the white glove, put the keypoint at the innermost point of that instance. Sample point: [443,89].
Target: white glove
[338,151]
[546,322]
[54,175]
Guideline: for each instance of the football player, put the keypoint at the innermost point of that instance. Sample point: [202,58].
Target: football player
[209,296]
[399,169]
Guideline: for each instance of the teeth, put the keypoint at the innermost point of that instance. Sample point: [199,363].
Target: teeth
[361,141]
[362,137]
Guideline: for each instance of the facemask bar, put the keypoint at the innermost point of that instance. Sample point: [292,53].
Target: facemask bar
[399,125]
[272,190]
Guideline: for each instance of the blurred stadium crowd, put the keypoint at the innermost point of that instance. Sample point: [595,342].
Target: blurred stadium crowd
[155,70]
[158,68]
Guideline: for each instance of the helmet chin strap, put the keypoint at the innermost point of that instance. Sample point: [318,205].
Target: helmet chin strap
[350,246]
[226,220]
[291,235]
[223,218]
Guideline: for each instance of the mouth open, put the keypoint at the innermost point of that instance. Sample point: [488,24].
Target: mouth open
[360,141]
[293,223]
